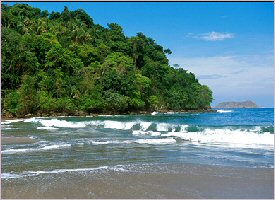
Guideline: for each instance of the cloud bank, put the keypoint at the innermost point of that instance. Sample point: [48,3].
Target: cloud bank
[233,77]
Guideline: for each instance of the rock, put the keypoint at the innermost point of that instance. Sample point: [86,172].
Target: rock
[28,115]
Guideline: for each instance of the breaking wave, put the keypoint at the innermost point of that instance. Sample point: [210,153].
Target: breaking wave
[253,136]
[235,138]
[224,111]
[110,124]
[156,141]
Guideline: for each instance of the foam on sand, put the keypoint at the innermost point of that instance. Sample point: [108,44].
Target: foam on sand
[43,148]
[116,168]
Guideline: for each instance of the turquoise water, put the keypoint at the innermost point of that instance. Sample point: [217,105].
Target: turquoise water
[229,137]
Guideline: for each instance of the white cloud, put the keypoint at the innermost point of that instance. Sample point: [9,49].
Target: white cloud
[212,36]
[233,77]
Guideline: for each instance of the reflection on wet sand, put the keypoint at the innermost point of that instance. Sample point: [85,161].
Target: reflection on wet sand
[166,181]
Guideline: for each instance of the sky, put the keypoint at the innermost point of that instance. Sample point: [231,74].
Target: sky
[229,46]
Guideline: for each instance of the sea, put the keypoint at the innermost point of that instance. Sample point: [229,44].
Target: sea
[242,138]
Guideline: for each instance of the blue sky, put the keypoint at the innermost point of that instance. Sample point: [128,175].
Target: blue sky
[228,45]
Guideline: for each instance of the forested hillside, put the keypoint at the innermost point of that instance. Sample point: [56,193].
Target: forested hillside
[65,63]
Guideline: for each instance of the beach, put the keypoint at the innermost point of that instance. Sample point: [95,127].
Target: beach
[224,154]
[164,181]
[16,140]
[103,101]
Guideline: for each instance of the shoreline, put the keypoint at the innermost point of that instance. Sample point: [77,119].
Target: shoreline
[82,114]
[177,181]
[16,140]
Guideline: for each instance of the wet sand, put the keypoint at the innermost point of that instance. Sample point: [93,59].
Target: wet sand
[173,181]
[16,140]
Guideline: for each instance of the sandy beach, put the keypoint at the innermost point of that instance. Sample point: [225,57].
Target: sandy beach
[16,140]
[140,156]
[173,181]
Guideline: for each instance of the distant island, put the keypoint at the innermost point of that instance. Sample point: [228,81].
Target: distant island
[232,104]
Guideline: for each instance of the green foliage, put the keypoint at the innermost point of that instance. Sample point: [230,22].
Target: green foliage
[65,104]
[12,102]
[115,102]
[154,102]
[91,103]
[17,59]
[28,95]
[46,103]
[136,103]
[64,63]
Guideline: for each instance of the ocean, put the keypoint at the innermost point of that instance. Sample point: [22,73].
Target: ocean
[227,139]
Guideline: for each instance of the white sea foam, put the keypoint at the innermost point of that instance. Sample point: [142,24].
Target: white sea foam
[9,128]
[154,113]
[169,113]
[169,127]
[62,123]
[14,120]
[224,111]
[110,142]
[118,125]
[162,127]
[101,142]
[47,123]
[256,129]
[156,141]
[10,175]
[139,132]
[33,119]
[173,134]
[144,125]
[234,138]
[2,123]
[56,146]
[43,148]
[13,151]
[56,123]
[183,128]
[117,168]
[66,170]
[9,121]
